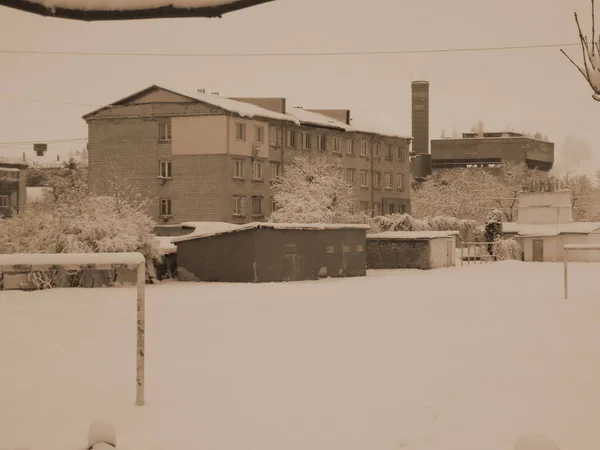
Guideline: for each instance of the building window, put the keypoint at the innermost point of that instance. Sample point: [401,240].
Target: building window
[291,138]
[257,170]
[351,176]
[4,201]
[364,206]
[259,133]
[400,181]
[274,135]
[164,132]
[350,147]
[402,209]
[377,208]
[401,153]
[257,209]
[391,209]
[165,206]
[240,131]
[238,205]
[337,144]
[238,168]
[166,169]
[322,142]
[363,148]
[363,178]
[376,150]
[9,174]
[390,152]
[387,180]
[306,140]
[275,170]
[273,205]
[376,179]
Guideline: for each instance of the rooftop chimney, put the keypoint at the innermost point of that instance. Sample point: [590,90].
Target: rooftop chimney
[420,116]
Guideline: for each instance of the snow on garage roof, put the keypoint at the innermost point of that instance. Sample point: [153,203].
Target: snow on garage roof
[552,229]
[92,10]
[231,228]
[410,235]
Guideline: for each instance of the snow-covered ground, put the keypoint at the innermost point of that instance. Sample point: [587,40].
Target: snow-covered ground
[464,358]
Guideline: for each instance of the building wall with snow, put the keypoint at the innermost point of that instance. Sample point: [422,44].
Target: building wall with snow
[204,151]
[545,207]
[13,187]
[410,250]
[258,255]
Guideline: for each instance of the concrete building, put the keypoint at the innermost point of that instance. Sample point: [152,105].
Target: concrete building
[204,157]
[490,150]
[420,155]
[13,187]
[545,224]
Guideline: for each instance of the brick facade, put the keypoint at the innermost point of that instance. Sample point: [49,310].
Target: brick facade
[124,139]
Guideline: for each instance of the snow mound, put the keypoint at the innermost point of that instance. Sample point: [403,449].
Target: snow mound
[102,432]
[535,442]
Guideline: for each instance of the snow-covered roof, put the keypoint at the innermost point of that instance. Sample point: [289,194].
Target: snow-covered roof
[231,228]
[69,259]
[36,194]
[312,118]
[526,229]
[411,235]
[9,169]
[90,10]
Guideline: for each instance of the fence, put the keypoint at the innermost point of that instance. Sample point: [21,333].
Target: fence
[568,247]
[76,261]
[476,252]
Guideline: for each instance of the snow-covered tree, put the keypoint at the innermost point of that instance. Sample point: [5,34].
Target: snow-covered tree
[493,230]
[590,68]
[314,190]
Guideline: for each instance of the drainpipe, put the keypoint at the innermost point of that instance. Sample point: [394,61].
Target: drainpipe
[372,187]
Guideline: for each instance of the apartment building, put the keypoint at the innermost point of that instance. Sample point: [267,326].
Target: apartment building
[13,187]
[490,150]
[204,157]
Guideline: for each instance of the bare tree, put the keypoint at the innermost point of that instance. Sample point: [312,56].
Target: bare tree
[591,57]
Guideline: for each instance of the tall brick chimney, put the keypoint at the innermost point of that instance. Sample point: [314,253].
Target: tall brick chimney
[420,116]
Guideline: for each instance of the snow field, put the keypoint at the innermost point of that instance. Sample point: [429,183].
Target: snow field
[465,358]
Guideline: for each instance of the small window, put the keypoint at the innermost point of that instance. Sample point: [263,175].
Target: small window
[364,206]
[164,132]
[401,153]
[350,147]
[376,179]
[291,138]
[387,179]
[400,181]
[337,144]
[352,209]
[402,209]
[274,135]
[306,140]
[391,209]
[377,208]
[257,209]
[238,168]
[238,206]
[257,170]
[275,170]
[363,178]
[390,151]
[351,176]
[4,201]
[377,150]
[166,170]
[240,131]
[259,134]
[273,205]
[363,148]
[165,206]
[322,142]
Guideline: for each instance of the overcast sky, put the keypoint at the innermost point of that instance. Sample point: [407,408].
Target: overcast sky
[42,97]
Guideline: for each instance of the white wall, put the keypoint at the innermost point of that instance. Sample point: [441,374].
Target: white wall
[438,256]
[545,207]
[199,135]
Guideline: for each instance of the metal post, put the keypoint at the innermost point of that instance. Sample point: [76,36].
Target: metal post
[462,252]
[141,331]
[469,255]
[566,277]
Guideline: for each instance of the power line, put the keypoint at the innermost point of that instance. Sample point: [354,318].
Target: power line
[291,54]
[43,140]
[47,101]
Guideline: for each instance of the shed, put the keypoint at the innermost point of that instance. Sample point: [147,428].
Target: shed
[269,252]
[411,249]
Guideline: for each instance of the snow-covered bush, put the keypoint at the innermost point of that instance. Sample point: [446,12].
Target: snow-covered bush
[405,222]
[507,249]
[493,229]
[314,190]
[76,222]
